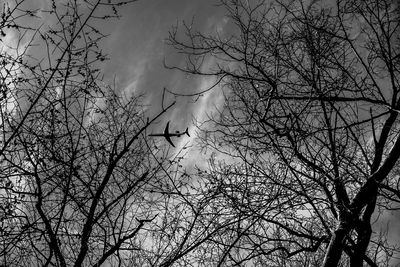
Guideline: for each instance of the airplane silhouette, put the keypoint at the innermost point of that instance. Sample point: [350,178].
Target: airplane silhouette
[168,135]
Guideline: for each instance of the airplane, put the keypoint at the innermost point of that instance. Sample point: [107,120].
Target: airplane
[168,135]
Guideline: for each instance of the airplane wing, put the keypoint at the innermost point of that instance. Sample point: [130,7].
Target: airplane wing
[169,140]
[167,135]
[166,130]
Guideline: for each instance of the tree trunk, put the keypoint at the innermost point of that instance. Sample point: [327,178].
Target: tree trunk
[364,232]
[364,235]
[336,246]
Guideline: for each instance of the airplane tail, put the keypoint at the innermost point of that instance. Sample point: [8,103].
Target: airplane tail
[187,131]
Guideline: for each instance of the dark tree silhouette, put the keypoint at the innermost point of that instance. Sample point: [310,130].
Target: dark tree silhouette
[79,179]
[307,141]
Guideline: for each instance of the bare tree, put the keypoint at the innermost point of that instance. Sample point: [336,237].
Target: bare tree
[310,128]
[78,176]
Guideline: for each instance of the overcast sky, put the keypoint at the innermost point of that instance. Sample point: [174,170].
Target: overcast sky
[137,50]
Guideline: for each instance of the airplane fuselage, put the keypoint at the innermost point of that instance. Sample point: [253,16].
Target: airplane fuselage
[171,134]
[168,135]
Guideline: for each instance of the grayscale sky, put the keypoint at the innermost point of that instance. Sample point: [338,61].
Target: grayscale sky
[137,50]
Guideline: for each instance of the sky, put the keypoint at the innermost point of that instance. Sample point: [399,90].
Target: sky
[137,49]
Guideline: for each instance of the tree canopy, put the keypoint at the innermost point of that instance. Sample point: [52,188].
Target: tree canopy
[79,179]
[303,152]
[309,129]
